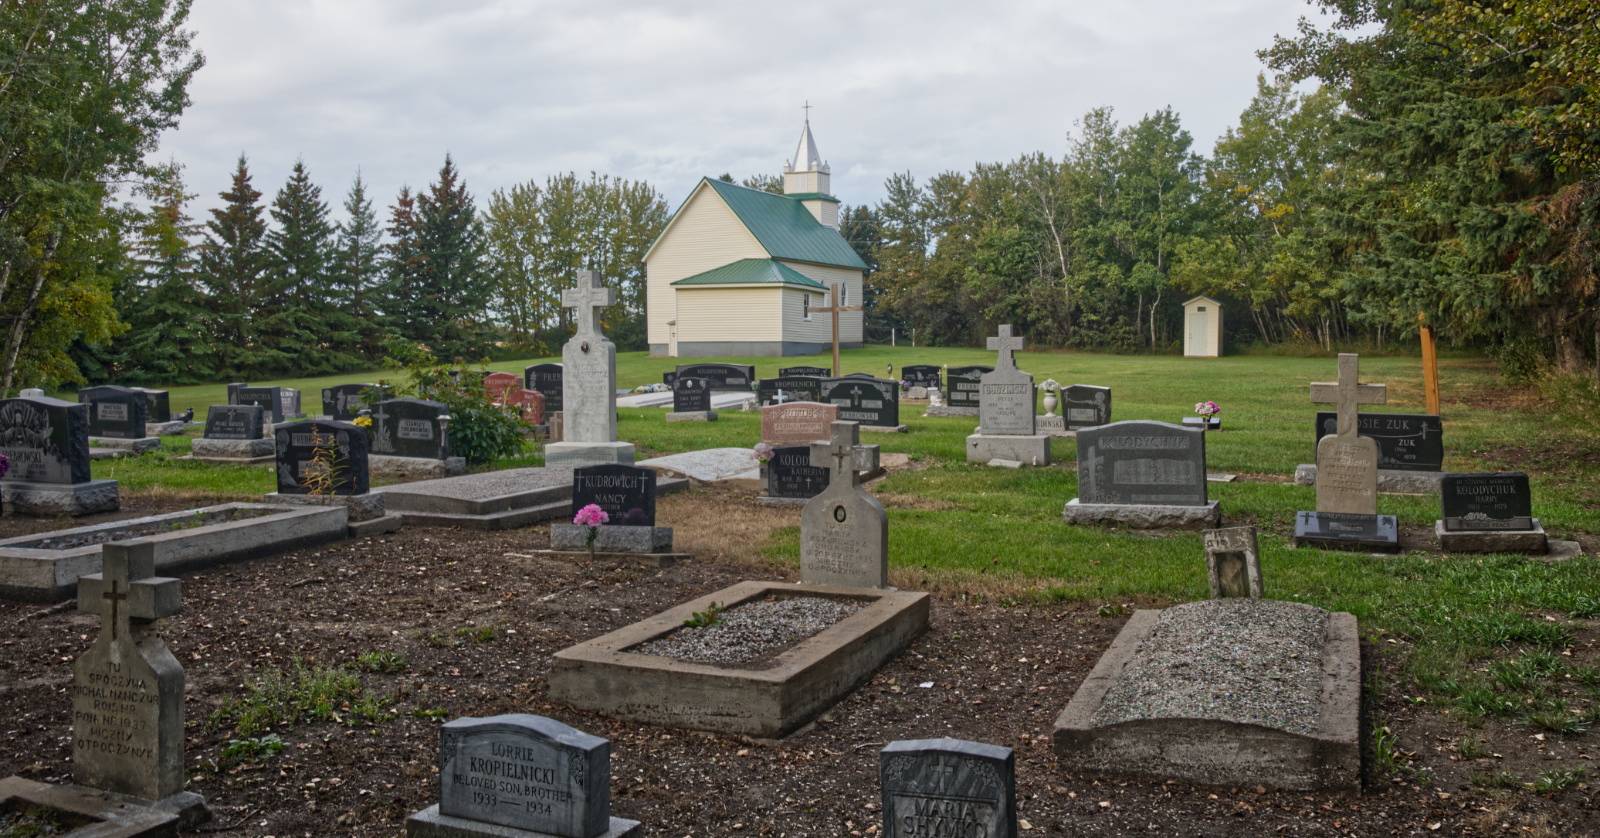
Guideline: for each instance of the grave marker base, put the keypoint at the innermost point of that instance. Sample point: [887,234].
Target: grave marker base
[1031,450]
[611,539]
[415,468]
[947,410]
[1336,530]
[1390,481]
[646,560]
[574,454]
[237,451]
[109,816]
[1533,542]
[137,446]
[1142,516]
[1213,424]
[885,429]
[692,416]
[360,508]
[49,500]
[173,428]
[428,823]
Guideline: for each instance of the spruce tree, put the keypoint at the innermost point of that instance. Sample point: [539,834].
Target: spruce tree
[455,277]
[403,262]
[233,261]
[296,322]
[166,341]
[358,272]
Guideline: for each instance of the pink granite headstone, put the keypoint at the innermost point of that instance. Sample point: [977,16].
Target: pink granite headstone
[796,423]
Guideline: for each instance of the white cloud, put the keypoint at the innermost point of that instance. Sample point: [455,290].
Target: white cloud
[672,91]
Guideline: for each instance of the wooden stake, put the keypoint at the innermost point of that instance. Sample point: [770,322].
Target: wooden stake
[1430,371]
[835,308]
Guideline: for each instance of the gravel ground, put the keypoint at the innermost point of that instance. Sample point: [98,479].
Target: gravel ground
[752,631]
[1238,660]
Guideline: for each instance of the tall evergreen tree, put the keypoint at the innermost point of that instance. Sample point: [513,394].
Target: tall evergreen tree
[297,321]
[357,271]
[403,263]
[166,341]
[455,284]
[233,261]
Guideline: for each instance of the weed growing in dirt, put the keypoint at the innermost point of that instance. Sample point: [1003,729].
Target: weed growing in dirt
[254,749]
[298,695]
[1497,780]
[437,713]
[37,822]
[1387,757]
[484,634]
[707,618]
[1558,779]
[1470,747]
[382,660]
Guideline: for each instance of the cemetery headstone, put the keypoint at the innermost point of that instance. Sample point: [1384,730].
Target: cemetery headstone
[233,391]
[1489,513]
[626,493]
[1233,562]
[1347,471]
[791,388]
[31,393]
[127,689]
[47,442]
[844,532]
[497,384]
[546,378]
[270,398]
[313,450]
[115,412]
[791,474]
[530,402]
[1007,429]
[345,402]
[532,774]
[409,428]
[589,384]
[724,378]
[965,387]
[1085,406]
[291,403]
[809,372]
[921,375]
[240,421]
[669,377]
[935,787]
[870,402]
[1144,474]
[691,401]
[797,423]
[158,405]
[1406,441]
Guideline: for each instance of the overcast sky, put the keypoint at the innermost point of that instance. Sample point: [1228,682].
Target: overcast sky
[672,91]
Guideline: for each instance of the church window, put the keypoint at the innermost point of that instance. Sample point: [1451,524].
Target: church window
[805,306]
[844,294]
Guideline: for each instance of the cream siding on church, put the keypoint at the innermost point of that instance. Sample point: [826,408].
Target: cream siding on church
[796,328]
[724,314]
[704,235]
[819,329]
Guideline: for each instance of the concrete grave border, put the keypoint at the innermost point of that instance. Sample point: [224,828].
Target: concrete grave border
[1212,752]
[601,675]
[109,816]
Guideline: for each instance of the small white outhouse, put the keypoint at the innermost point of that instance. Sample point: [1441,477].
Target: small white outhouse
[1202,328]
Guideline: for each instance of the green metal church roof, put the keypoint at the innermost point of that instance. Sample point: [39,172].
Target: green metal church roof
[752,272]
[785,228]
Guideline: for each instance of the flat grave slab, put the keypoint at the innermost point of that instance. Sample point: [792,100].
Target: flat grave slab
[1229,692]
[710,465]
[45,566]
[1343,530]
[87,812]
[1390,481]
[494,500]
[765,698]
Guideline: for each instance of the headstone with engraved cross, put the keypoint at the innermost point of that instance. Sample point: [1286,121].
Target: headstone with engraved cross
[1347,470]
[127,689]
[948,787]
[844,532]
[1006,429]
[589,384]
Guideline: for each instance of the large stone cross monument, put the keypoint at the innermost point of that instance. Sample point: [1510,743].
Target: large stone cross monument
[589,383]
[1006,429]
[1347,463]
[844,532]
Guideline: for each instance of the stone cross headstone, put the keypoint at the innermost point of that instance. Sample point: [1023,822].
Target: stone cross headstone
[235,421]
[1084,406]
[310,449]
[525,772]
[115,412]
[626,493]
[965,385]
[409,428]
[1233,562]
[1142,462]
[127,689]
[866,400]
[547,379]
[789,388]
[691,395]
[1487,502]
[589,383]
[791,474]
[939,787]
[1406,441]
[844,532]
[47,440]
[1005,400]
[1347,463]
[797,423]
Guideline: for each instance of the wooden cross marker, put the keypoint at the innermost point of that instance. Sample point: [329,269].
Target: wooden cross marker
[1005,344]
[588,298]
[835,308]
[1347,394]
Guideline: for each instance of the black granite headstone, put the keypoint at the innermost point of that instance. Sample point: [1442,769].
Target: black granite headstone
[546,378]
[233,391]
[1499,501]
[270,399]
[791,388]
[691,395]
[1344,529]
[724,378]
[309,449]
[937,787]
[47,440]
[115,412]
[920,375]
[964,383]
[235,421]
[868,401]
[669,377]
[158,405]
[1083,406]
[811,372]
[346,401]
[1142,462]
[408,428]
[1406,441]
[790,473]
[626,493]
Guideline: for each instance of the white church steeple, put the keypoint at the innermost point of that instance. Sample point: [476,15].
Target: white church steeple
[806,178]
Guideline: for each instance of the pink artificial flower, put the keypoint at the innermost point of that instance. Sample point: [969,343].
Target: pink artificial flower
[762,452]
[591,516]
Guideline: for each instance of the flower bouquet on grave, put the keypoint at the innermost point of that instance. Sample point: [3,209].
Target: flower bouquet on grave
[1206,411]
[762,452]
[591,516]
[1052,397]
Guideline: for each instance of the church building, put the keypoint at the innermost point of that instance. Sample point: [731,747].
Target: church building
[739,271]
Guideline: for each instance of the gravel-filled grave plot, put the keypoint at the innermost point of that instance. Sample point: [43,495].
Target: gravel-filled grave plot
[1250,661]
[752,632]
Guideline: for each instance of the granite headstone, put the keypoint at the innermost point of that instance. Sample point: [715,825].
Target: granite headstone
[809,372]
[865,400]
[158,405]
[546,378]
[724,378]
[1406,441]
[235,421]
[691,395]
[1142,462]
[791,474]
[409,428]
[1500,501]
[345,402]
[797,423]
[1084,406]
[921,375]
[792,388]
[530,402]
[965,384]
[271,399]
[115,412]
[309,449]
[526,772]
[626,493]
[47,440]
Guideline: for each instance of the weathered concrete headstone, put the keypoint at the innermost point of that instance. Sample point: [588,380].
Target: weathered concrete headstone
[242,421]
[547,379]
[691,400]
[47,441]
[409,428]
[1406,441]
[1347,463]
[844,532]
[1489,513]
[115,412]
[589,385]
[529,773]
[810,372]
[921,375]
[791,474]
[797,423]
[127,689]
[791,388]
[345,402]
[872,403]
[939,787]
[311,450]
[724,378]
[1142,473]
[31,393]
[271,399]
[291,403]
[1085,406]
[1006,419]
[1233,562]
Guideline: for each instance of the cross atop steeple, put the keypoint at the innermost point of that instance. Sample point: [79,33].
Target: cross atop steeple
[1005,344]
[126,593]
[1348,393]
[588,297]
